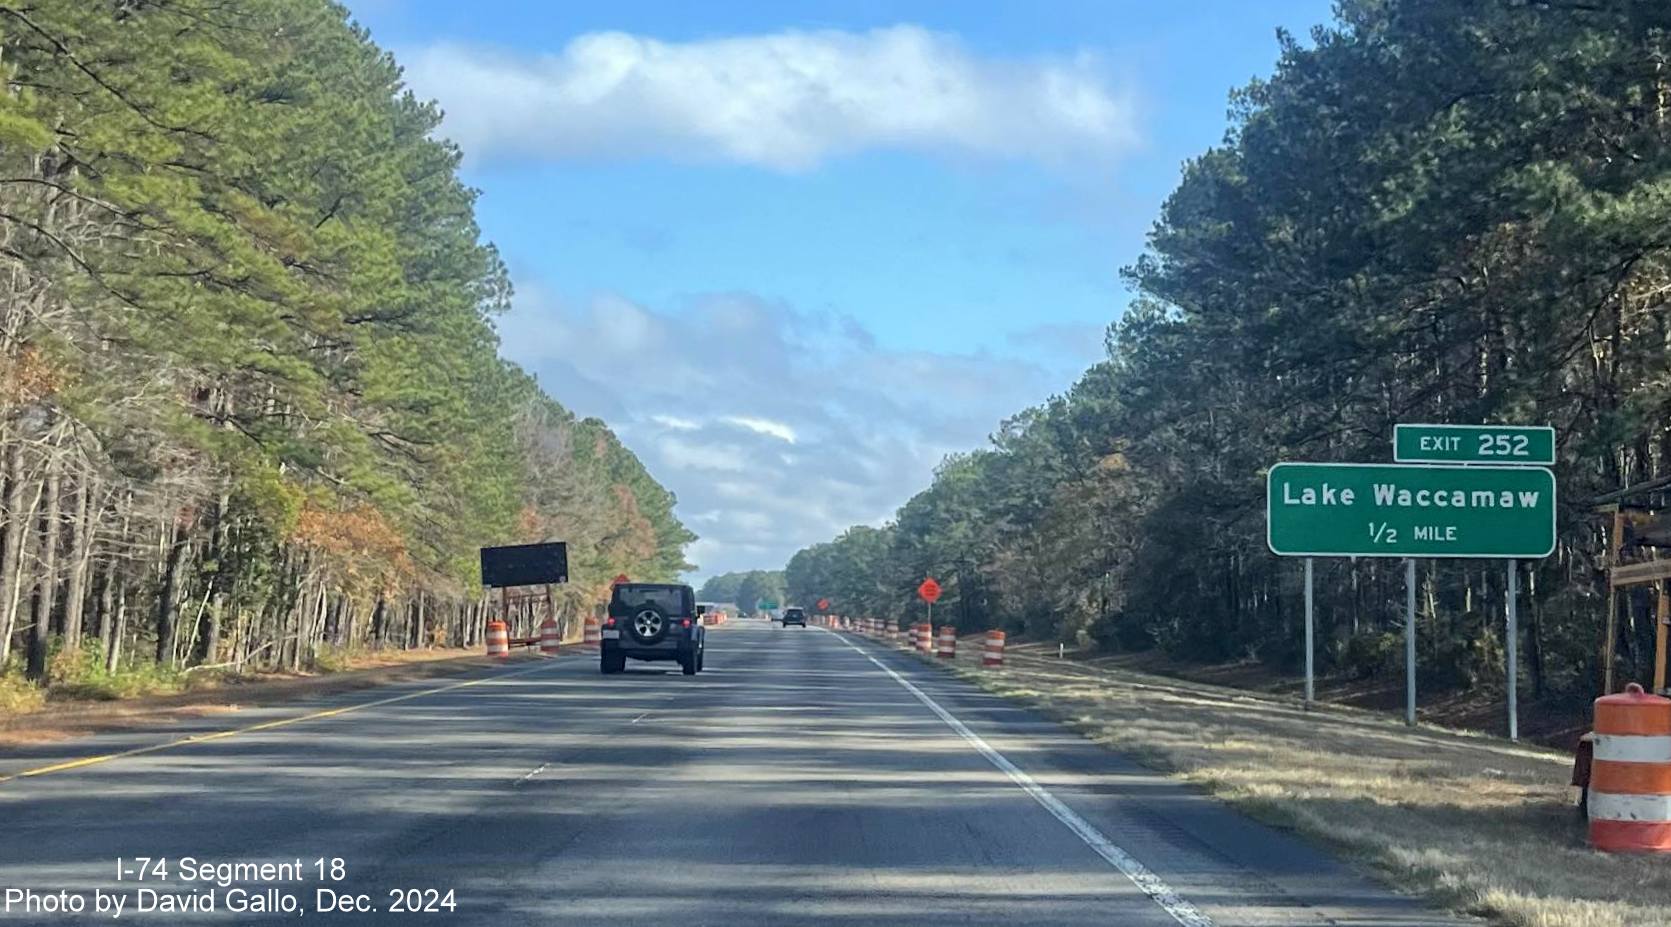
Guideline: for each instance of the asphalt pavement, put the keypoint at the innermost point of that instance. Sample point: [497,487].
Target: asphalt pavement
[804,778]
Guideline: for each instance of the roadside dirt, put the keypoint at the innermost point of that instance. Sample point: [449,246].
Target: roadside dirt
[70,718]
[1546,722]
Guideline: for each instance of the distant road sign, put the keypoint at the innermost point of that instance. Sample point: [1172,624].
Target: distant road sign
[1391,510]
[1486,444]
[929,591]
[766,605]
[525,565]
[823,605]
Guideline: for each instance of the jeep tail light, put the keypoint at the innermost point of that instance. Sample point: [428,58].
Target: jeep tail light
[609,622]
[687,622]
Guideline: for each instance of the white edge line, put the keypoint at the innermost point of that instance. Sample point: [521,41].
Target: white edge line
[1140,875]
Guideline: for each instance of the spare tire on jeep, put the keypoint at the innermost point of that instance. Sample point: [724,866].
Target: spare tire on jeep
[648,625]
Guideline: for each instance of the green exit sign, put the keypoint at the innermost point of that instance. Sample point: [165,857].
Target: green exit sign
[1489,444]
[1393,510]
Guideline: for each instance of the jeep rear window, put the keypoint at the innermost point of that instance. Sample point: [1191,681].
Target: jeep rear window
[793,613]
[670,602]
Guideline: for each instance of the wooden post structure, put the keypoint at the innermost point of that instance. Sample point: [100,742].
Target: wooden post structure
[1662,629]
[1657,573]
[1614,542]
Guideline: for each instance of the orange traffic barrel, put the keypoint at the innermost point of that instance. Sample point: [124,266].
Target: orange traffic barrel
[925,638]
[591,631]
[550,640]
[1630,776]
[948,643]
[498,639]
[992,653]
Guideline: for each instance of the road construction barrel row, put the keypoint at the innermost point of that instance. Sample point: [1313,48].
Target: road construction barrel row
[992,651]
[498,639]
[550,639]
[1630,775]
[948,643]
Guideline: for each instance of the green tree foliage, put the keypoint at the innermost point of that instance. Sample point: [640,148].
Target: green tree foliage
[1435,210]
[251,402]
[746,589]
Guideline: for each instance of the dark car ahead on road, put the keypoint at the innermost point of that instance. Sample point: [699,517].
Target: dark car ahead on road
[794,616]
[653,621]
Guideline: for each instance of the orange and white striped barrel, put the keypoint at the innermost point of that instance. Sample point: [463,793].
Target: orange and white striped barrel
[992,652]
[948,643]
[591,631]
[550,640]
[498,639]
[924,638]
[1630,776]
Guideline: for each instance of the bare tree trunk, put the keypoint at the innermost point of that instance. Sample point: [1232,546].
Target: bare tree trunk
[109,628]
[12,536]
[113,653]
[379,620]
[106,618]
[169,591]
[46,588]
[210,646]
[81,557]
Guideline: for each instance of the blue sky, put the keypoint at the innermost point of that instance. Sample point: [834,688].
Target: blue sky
[865,231]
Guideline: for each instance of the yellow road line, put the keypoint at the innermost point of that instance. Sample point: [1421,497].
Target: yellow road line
[263,726]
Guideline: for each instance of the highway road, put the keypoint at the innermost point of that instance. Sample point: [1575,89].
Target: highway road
[806,778]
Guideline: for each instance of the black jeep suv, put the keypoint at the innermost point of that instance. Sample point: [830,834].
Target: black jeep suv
[794,616]
[653,621]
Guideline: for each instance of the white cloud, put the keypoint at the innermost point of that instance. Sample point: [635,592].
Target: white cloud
[785,101]
[675,423]
[868,424]
[763,426]
[687,455]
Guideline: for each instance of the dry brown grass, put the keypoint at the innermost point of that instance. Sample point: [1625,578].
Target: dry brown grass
[1481,825]
[63,719]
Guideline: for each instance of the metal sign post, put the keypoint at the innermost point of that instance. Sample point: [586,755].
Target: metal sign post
[1457,491]
[1310,640]
[1410,642]
[1512,637]
[929,591]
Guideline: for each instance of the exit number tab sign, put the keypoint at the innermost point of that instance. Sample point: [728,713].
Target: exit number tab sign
[1487,444]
